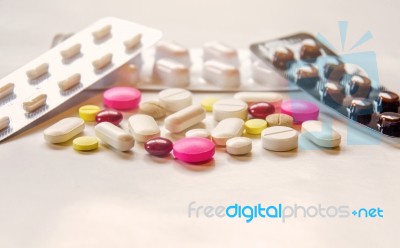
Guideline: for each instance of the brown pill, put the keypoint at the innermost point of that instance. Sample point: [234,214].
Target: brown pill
[279,120]
[309,50]
[282,58]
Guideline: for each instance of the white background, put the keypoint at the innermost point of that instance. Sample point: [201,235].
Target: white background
[55,197]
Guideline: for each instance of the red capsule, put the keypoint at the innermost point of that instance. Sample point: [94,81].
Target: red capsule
[158,146]
[261,110]
[109,115]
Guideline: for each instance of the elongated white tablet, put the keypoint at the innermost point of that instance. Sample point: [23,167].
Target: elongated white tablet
[216,50]
[253,97]
[175,99]
[171,73]
[114,136]
[320,134]
[102,32]
[238,146]
[143,127]
[173,51]
[185,118]
[102,62]
[221,74]
[133,42]
[227,129]
[64,130]
[264,75]
[37,72]
[34,102]
[69,82]
[4,122]
[71,51]
[6,89]
[229,108]
[199,133]
[279,138]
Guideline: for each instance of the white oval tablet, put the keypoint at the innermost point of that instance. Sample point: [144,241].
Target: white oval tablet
[221,74]
[174,51]
[279,138]
[239,146]
[229,108]
[175,99]
[215,50]
[184,118]
[320,134]
[227,129]
[64,130]
[198,132]
[143,127]
[253,97]
[6,89]
[34,102]
[4,122]
[171,73]
[114,136]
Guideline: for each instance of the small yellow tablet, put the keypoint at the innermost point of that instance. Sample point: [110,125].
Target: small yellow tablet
[255,126]
[88,112]
[85,143]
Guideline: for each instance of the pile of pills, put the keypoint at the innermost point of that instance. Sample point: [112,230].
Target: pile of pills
[239,120]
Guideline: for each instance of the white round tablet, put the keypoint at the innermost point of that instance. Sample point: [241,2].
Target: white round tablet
[198,132]
[239,146]
[229,108]
[279,138]
[175,99]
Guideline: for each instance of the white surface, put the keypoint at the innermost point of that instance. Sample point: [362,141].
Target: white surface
[52,196]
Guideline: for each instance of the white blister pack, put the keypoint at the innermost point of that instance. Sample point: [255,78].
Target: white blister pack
[101,52]
[227,70]
[217,67]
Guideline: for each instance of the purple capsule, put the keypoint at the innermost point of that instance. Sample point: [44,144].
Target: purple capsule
[109,115]
[158,146]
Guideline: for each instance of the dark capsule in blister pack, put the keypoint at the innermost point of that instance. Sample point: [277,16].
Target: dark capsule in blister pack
[334,72]
[309,50]
[333,94]
[359,86]
[361,110]
[387,101]
[389,124]
[283,58]
[307,77]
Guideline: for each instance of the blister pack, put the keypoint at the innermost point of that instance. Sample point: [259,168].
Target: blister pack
[217,67]
[347,84]
[96,54]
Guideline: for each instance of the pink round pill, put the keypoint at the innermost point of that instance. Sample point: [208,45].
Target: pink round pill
[122,98]
[194,149]
[300,110]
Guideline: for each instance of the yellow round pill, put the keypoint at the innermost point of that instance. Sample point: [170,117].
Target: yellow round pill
[255,126]
[207,103]
[85,143]
[89,112]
